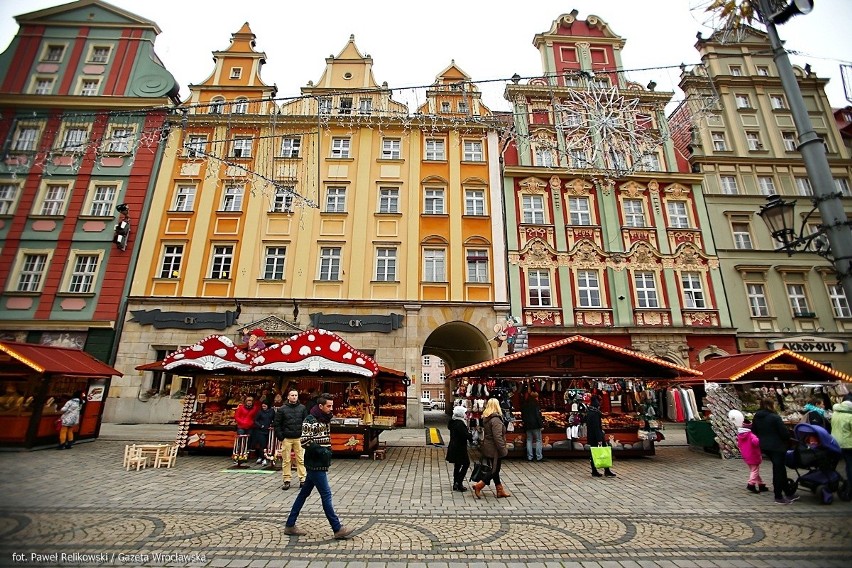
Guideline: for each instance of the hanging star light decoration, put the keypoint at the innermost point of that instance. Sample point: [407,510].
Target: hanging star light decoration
[730,19]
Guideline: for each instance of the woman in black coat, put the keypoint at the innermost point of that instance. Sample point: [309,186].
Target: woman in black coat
[457,449]
[774,441]
[595,433]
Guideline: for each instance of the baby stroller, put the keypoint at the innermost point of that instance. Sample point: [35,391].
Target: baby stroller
[819,453]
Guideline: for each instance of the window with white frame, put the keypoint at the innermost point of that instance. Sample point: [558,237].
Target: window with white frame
[240,106]
[474,202]
[650,163]
[539,288]
[74,139]
[426,361]
[365,107]
[601,82]
[388,200]
[462,107]
[345,105]
[577,158]
[743,101]
[753,141]
[580,212]
[53,202]
[473,151]
[8,197]
[839,302]
[282,199]
[329,268]
[43,85]
[291,146]
[742,236]
[120,140]
[571,119]
[340,147]
[172,259]
[634,213]
[85,268]
[221,261]
[729,185]
[434,265]
[236,72]
[53,53]
[544,157]
[477,265]
[335,200]
[217,105]
[31,275]
[103,197]
[693,291]
[25,139]
[273,262]
[533,209]
[89,87]
[195,145]
[766,185]
[435,149]
[719,143]
[385,264]
[184,198]
[841,185]
[678,214]
[762,71]
[426,377]
[588,289]
[99,54]
[445,106]
[758,306]
[433,201]
[324,105]
[798,299]
[736,70]
[232,198]
[789,139]
[391,148]
[241,147]
[777,101]
[646,289]
[803,186]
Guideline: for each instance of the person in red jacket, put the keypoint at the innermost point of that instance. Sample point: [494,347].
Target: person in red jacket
[244,417]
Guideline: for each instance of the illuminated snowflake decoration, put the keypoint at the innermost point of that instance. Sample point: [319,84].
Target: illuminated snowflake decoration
[607,132]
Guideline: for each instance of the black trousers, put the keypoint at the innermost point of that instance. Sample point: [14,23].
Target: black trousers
[459,472]
[495,470]
[779,472]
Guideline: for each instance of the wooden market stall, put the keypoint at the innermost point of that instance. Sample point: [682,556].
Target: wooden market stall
[739,382]
[37,381]
[566,373]
[368,398]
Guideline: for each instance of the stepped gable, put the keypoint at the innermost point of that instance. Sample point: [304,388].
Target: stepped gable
[214,352]
[315,350]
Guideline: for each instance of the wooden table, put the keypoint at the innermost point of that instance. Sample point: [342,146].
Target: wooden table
[153,451]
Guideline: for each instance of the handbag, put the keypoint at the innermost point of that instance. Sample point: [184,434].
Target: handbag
[602,456]
[57,425]
[481,471]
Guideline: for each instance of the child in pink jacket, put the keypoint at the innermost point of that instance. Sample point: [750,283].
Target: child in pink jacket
[749,446]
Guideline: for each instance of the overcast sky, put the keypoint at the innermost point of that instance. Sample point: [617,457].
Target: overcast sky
[412,42]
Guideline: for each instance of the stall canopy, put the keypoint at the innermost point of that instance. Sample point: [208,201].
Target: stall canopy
[576,357]
[50,360]
[767,366]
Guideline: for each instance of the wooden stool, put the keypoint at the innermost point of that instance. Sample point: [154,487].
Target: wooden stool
[380,452]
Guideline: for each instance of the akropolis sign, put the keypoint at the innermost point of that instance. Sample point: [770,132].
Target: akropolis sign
[809,344]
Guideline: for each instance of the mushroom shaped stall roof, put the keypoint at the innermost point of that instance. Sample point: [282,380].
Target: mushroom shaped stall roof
[213,353]
[315,350]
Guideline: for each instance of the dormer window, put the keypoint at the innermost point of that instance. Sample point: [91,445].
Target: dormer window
[236,72]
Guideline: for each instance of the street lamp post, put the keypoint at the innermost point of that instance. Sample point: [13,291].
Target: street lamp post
[835,224]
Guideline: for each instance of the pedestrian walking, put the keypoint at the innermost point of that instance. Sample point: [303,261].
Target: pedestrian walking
[493,445]
[288,429]
[533,424]
[69,420]
[595,433]
[841,429]
[774,441]
[316,438]
[457,454]
[749,446]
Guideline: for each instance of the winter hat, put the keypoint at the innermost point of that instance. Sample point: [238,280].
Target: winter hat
[459,412]
[736,417]
[258,333]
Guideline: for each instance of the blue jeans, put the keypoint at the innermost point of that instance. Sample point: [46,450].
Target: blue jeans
[534,436]
[318,479]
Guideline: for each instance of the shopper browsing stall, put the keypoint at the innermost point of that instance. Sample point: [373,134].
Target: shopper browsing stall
[595,433]
[774,442]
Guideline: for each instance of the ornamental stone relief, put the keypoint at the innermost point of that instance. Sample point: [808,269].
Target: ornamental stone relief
[537,254]
[586,255]
[654,186]
[644,257]
[688,258]
[677,191]
[633,189]
[578,187]
[533,185]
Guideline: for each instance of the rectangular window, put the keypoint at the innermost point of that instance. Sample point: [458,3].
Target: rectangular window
[273,263]
[719,143]
[83,275]
[385,264]
[329,269]
[646,290]
[434,265]
[435,149]
[445,106]
[426,377]
[544,157]
[580,212]
[841,185]
[766,185]
[8,197]
[32,272]
[89,87]
[729,185]
[388,200]
[241,148]
[365,107]
[232,198]
[742,236]
[102,200]
[634,213]
[462,107]
[184,198]
[753,140]
[433,203]
[473,151]
[290,146]
[196,145]
[120,140]
[240,106]
[172,258]
[803,186]
[54,53]
[762,71]
[571,119]
[426,361]
[650,163]
[340,147]
[477,265]
[588,289]
[777,101]
[324,105]
[282,200]
[54,200]
[223,257]
[474,202]
[577,157]
[345,105]
[217,105]
[43,86]
[335,200]
[839,302]
[25,139]
[789,139]
[742,101]
[100,54]
[678,215]
[757,300]
[533,207]
[391,149]
[539,287]
[693,292]
[236,72]
[736,70]
[74,139]
[798,299]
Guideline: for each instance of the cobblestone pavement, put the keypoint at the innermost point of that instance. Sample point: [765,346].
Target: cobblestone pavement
[678,508]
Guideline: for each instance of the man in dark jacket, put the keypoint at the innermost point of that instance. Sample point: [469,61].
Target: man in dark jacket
[533,423]
[316,439]
[595,433]
[774,441]
[288,429]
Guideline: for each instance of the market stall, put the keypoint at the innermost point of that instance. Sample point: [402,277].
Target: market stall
[740,381]
[566,374]
[368,398]
[37,381]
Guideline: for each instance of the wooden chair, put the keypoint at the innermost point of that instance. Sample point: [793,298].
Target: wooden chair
[128,451]
[167,458]
[136,458]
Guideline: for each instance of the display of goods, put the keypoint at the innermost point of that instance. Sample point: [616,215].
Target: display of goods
[390,406]
[554,419]
[390,394]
